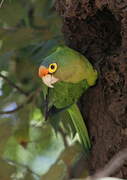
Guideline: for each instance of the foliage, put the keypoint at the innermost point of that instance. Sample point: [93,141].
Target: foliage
[28,30]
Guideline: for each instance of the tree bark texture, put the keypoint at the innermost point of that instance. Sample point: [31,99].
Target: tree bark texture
[98,29]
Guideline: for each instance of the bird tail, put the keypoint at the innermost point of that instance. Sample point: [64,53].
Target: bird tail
[80,126]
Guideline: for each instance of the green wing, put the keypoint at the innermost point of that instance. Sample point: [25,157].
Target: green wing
[80,127]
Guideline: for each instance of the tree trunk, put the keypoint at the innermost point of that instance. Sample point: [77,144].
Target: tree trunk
[98,29]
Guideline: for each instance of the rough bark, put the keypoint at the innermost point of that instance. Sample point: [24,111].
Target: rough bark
[98,29]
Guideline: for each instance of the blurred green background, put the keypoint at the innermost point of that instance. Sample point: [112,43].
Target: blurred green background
[30,148]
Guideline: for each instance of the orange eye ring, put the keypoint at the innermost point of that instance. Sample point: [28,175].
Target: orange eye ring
[52,68]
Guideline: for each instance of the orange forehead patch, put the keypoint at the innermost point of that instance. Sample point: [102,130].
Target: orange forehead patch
[42,71]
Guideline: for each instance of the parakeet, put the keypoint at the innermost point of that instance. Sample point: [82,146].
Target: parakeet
[67,74]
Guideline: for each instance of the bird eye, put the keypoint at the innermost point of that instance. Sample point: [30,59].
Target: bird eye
[52,67]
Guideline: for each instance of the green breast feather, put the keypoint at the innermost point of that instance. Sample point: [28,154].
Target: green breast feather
[64,93]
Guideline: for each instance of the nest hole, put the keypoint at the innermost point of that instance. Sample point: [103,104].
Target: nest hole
[95,36]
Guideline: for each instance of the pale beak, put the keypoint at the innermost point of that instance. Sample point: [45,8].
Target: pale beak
[48,79]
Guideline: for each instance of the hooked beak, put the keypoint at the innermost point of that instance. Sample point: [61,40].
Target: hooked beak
[47,78]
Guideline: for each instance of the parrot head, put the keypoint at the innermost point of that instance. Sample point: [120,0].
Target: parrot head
[66,65]
[47,74]
[56,66]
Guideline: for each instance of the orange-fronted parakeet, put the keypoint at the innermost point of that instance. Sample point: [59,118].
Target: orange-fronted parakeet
[68,74]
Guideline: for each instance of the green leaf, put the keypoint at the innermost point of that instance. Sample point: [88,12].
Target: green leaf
[57,172]
[5,133]
[5,60]
[12,12]
[6,170]
[42,151]
[19,38]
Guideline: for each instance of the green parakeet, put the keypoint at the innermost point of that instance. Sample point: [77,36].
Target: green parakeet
[68,74]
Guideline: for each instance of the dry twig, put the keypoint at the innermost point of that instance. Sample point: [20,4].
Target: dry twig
[114,164]
[1,3]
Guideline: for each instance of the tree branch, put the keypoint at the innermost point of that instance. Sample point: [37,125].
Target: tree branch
[14,85]
[64,136]
[114,164]
[29,99]
[1,3]
[20,165]
[18,107]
